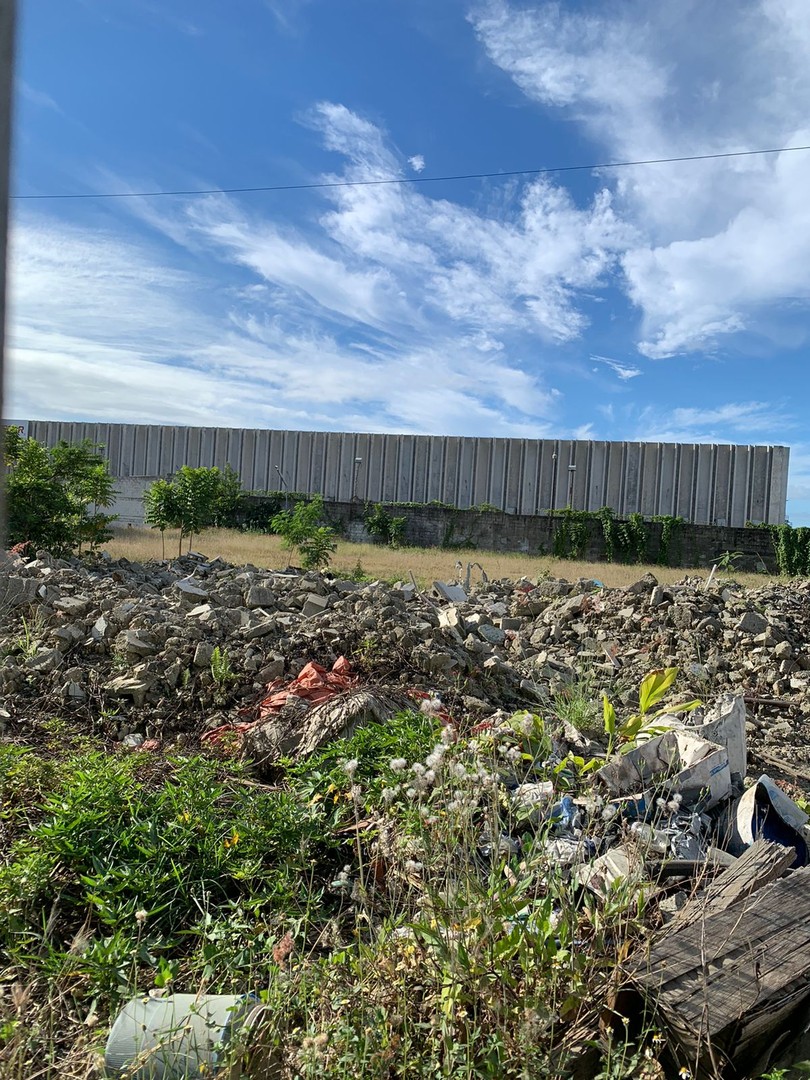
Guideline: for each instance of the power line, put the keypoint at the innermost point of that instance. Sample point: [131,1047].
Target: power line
[410,179]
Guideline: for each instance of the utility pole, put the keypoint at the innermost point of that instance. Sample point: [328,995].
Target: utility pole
[8,12]
[358,461]
[284,486]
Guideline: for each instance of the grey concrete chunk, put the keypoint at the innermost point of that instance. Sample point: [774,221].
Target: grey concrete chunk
[314,605]
[260,596]
[138,643]
[72,605]
[453,593]
[752,623]
[492,634]
[189,591]
[203,654]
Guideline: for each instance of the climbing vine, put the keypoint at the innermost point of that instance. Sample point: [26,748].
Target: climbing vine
[792,549]
[383,526]
[625,539]
[669,529]
[571,533]
[608,521]
[633,536]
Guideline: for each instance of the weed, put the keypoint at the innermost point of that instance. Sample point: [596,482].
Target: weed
[578,704]
[221,671]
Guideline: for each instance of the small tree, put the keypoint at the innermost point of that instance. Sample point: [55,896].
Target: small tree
[54,495]
[192,501]
[302,529]
[227,497]
[160,504]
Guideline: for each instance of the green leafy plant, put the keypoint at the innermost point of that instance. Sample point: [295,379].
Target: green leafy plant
[221,671]
[383,526]
[570,533]
[302,530]
[670,526]
[195,499]
[728,561]
[653,688]
[55,496]
[792,550]
[161,509]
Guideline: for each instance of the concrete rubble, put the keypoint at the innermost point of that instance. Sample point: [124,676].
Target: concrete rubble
[139,638]
[195,650]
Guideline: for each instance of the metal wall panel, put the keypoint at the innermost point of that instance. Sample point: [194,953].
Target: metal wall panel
[724,485]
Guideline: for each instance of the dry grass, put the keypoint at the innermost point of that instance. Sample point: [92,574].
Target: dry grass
[427,564]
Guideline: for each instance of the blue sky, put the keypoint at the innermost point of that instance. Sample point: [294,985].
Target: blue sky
[663,302]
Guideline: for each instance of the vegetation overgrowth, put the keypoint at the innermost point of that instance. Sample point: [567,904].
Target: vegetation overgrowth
[398,918]
[397,913]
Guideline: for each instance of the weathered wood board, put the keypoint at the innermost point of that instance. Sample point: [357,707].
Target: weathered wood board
[727,976]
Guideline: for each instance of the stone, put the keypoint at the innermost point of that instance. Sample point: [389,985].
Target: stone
[260,596]
[138,643]
[100,629]
[199,612]
[46,660]
[273,669]
[644,586]
[450,617]
[203,654]
[752,623]
[72,605]
[452,593]
[314,605]
[439,662]
[135,686]
[259,629]
[507,623]
[492,634]
[190,592]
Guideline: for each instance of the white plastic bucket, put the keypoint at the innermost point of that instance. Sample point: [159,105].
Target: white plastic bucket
[181,1037]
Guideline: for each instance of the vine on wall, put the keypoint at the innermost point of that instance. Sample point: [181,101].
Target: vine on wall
[571,533]
[792,549]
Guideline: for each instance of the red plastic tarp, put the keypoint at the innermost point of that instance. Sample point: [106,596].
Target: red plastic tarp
[314,684]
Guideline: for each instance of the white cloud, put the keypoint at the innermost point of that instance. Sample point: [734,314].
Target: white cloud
[731,422]
[624,371]
[37,97]
[104,327]
[717,241]
[417,163]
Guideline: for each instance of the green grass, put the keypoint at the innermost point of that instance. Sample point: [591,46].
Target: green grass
[365,898]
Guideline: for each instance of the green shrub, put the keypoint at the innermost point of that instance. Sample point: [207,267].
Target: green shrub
[55,495]
[193,500]
[302,530]
[383,526]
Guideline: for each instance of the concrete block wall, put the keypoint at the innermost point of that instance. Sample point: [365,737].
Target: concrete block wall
[691,545]
[708,484]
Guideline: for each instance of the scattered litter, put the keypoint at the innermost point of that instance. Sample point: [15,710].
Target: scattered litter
[765,811]
[677,762]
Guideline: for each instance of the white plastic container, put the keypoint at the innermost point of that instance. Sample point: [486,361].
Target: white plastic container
[181,1037]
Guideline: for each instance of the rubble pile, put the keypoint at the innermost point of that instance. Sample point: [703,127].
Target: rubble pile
[129,647]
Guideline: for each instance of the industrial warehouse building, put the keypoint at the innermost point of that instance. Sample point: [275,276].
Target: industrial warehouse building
[702,483]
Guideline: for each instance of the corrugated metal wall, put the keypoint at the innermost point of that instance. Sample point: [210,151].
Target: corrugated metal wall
[708,484]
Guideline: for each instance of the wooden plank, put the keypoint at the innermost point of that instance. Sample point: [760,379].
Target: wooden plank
[761,864]
[731,975]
